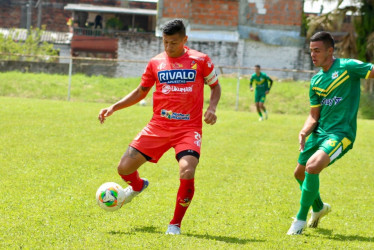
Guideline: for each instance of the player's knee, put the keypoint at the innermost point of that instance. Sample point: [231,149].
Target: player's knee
[313,168]
[300,175]
[123,167]
[187,173]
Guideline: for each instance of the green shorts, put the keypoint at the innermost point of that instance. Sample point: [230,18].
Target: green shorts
[334,145]
[260,97]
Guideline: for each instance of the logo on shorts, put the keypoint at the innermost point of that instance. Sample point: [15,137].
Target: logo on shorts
[332,142]
[332,101]
[198,139]
[174,116]
[166,89]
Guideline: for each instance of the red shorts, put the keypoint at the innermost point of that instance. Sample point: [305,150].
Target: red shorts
[154,141]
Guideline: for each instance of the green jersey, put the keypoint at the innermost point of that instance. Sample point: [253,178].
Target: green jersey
[261,82]
[337,93]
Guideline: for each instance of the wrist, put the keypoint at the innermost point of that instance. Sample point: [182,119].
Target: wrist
[302,133]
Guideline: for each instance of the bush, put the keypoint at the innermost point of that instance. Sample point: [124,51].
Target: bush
[32,48]
[367,106]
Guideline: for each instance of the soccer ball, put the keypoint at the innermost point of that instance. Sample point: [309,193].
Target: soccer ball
[110,196]
[143,102]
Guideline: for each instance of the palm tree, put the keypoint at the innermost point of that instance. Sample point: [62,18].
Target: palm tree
[357,42]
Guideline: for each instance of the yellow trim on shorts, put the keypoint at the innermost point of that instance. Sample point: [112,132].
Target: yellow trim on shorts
[314,106]
[346,142]
[336,148]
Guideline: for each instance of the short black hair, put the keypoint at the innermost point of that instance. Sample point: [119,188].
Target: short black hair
[325,37]
[257,66]
[175,26]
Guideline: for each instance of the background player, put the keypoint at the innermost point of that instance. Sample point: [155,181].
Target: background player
[331,124]
[261,81]
[180,74]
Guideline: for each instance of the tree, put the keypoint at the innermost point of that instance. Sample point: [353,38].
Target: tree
[357,43]
[32,47]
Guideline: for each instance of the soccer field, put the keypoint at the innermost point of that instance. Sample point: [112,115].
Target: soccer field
[55,154]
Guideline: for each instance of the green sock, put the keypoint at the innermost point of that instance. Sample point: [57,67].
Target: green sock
[260,114]
[309,193]
[317,204]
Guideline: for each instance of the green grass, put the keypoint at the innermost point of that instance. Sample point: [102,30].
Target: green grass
[284,97]
[54,155]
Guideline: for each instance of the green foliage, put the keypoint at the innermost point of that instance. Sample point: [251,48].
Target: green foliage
[304,25]
[114,23]
[55,154]
[367,105]
[32,48]
[364,27]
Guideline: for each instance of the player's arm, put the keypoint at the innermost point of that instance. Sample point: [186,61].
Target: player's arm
[134,97]
[250,84]
[371,75]
[309,125]
[271,83]
[210,116]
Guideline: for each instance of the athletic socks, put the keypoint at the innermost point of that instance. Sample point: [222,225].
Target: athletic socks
[133,180]
[317,204]
[260,114]
[309,193]
[184,197]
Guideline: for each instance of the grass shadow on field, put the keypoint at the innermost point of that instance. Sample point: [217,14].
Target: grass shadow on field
[340,237]
[226,239]
[152,229]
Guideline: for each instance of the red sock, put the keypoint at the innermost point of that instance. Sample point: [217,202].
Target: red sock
[184,197]
[133,180]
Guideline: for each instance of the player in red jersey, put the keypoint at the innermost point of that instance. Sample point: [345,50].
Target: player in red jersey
[179,74]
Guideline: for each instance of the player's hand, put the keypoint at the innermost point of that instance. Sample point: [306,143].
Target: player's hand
[105,113]
[302,136]
[210,117]
[266,92]
[251,89]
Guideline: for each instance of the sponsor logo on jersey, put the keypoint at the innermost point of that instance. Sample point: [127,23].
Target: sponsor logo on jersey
[176,76]
[335,75]
[176,65]
[161,66]
[193,65]
[332,101]
[174,116]
[166,89]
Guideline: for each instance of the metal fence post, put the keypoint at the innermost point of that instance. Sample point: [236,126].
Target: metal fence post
[237,91]
[70,73]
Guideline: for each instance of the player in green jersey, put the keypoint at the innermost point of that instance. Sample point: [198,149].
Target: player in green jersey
[334,99]
[261,80]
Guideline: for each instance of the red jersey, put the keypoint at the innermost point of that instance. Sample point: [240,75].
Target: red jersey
[179,96]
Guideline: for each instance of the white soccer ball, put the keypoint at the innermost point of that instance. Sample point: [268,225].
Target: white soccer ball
[143,102]
[110,196]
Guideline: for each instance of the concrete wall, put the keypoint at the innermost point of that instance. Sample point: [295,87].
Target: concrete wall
[140,50]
